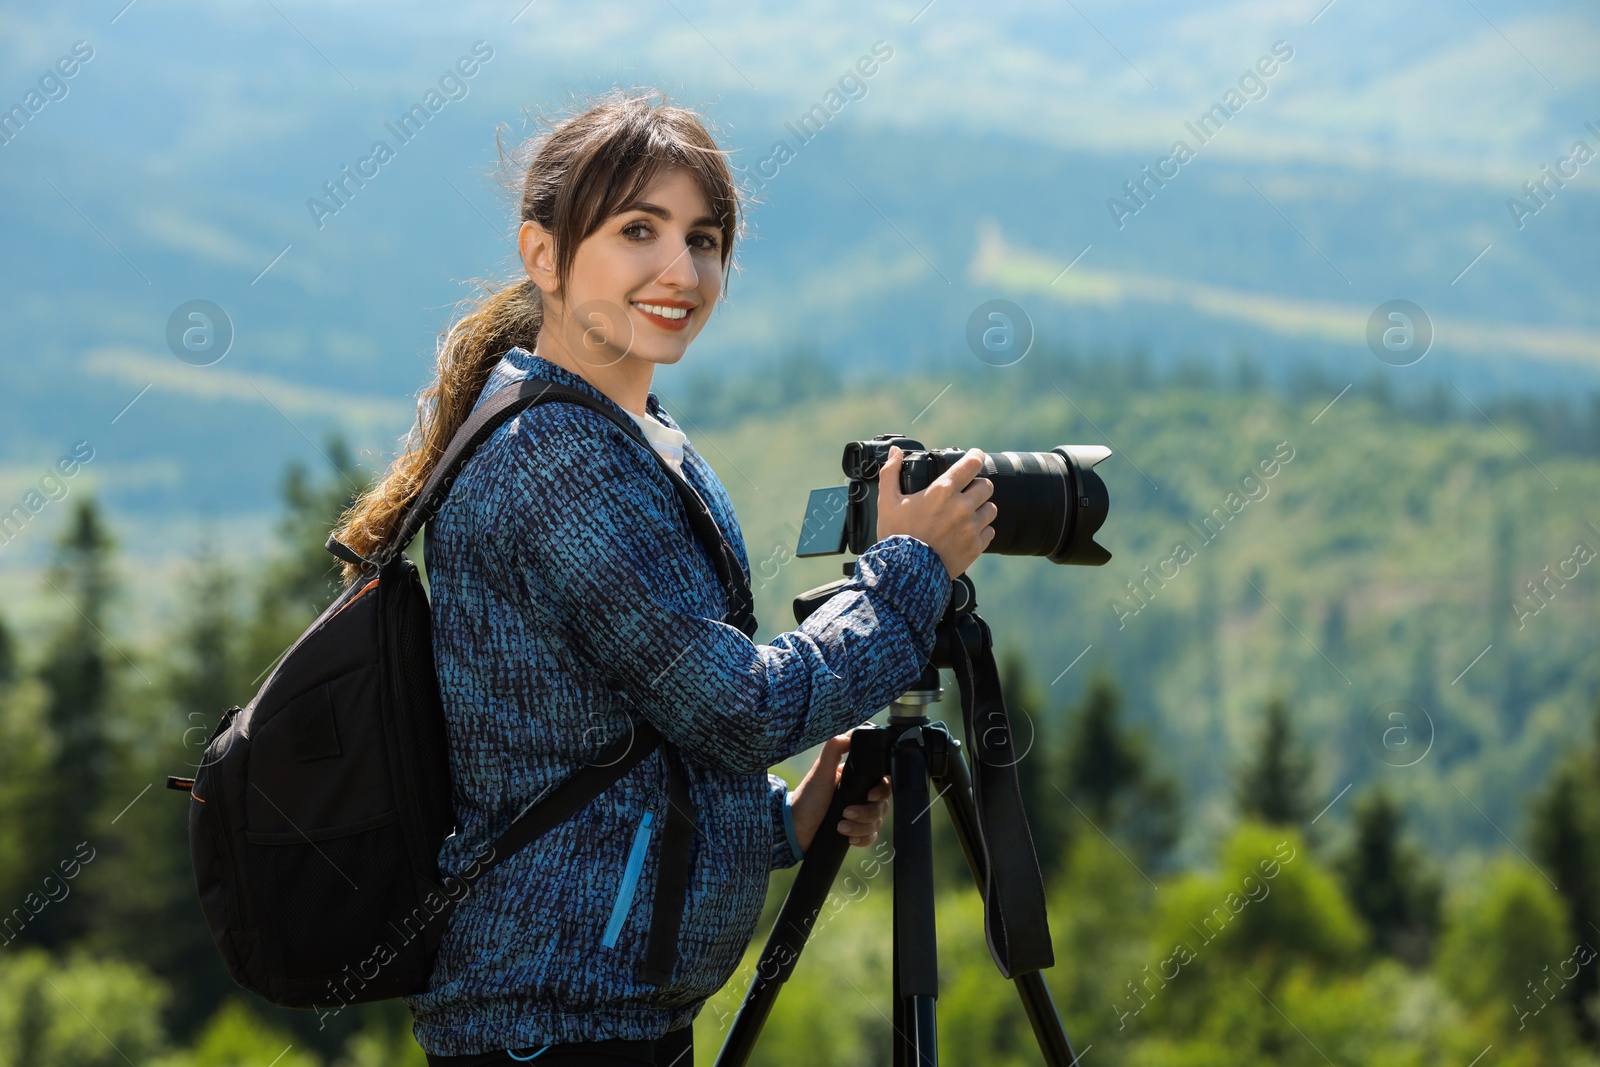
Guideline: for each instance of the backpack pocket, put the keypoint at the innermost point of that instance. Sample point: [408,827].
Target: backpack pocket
[630,882]
[320,892]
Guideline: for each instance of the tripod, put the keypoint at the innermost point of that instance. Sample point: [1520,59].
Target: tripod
[923,763]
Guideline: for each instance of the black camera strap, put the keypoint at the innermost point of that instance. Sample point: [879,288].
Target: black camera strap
[1014,919]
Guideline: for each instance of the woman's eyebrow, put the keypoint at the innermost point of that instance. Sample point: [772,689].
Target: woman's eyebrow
[663,214]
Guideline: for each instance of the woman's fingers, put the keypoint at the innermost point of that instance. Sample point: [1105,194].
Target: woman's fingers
[862,822]
[877,802]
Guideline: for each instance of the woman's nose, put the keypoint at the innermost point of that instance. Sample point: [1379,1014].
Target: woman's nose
[680,271]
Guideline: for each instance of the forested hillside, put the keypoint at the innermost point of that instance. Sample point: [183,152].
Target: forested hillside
[1316,652]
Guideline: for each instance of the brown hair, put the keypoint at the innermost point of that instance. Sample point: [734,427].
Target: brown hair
[580,173]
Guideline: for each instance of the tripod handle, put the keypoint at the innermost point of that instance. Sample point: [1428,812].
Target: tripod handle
[864,768]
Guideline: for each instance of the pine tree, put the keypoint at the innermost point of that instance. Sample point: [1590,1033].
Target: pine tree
[8,655]
[1208,628]
[294,587]
[1036,762]
[1387,883]
[1110,780]
[1566,839]
[144,901]
[26,751]
[1274,786]
[77,676]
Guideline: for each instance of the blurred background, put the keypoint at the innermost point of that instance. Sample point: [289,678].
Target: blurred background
[1312,763]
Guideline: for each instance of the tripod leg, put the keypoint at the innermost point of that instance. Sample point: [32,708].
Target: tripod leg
[865,768]
[915,944]
[956,787]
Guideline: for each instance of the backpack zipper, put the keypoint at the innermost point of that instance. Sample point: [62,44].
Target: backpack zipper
[236,899]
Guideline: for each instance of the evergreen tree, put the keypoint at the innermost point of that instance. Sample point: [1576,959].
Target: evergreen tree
[77,676]
[1386,882]
[1036,763]
[144,901]
[8,655]
[1109,776]
[1566,839]
[1101,760]
[1273,787]
[1503,601]
[306,575]
[26,751]
[1208,629]
[293,588]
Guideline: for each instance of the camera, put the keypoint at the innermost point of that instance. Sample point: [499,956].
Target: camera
[1047,504]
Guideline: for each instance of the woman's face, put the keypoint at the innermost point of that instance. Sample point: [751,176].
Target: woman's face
[642,285]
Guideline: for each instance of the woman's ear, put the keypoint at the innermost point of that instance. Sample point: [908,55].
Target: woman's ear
[538,249]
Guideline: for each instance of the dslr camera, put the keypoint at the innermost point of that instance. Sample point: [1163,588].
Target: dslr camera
[1048,504]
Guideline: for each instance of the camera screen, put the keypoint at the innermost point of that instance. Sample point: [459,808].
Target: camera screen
[823,531]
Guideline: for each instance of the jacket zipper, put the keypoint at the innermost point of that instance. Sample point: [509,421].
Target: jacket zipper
[630,882]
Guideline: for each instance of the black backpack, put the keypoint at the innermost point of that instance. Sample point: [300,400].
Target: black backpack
[320,807]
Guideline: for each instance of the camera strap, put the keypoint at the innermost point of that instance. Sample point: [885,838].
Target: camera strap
[1014,919]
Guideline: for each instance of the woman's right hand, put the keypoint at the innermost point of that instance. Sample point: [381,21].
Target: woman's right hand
[952,515]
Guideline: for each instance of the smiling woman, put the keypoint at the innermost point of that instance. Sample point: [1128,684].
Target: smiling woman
[572,604]
[651,275]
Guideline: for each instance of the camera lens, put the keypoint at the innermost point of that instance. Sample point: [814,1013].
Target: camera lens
[1048,503]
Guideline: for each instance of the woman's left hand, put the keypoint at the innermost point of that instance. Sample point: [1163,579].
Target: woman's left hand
[861,821]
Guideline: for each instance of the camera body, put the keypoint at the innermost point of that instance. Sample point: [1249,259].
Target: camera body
[1048,503]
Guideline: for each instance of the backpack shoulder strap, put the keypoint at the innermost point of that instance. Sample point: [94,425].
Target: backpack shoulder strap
[489,416]
[501,406]
[484,420]
[563,801]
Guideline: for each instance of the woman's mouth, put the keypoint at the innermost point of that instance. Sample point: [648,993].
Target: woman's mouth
[664,316]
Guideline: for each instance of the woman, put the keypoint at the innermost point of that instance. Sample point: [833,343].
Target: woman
[570,596]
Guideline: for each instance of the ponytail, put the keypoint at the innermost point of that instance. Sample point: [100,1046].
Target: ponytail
[505,317]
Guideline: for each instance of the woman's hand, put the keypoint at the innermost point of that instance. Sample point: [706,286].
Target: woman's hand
[861,821]
[953,515]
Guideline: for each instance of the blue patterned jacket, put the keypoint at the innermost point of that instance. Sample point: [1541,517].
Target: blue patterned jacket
[569,593]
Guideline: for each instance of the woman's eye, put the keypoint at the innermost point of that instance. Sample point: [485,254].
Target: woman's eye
[639,231]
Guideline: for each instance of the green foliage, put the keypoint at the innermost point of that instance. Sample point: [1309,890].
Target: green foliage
[74,1011]
[1387,882]
[1254,952]
[77,675]
[1566,840]
[237,1037]
[1038,764]
[8,655]
[386,1041]
[26,748]
[834,1009]
[1269,907]
[293,588]
[1504,935]
[1273,786]
[1100,921]
[1110,779]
